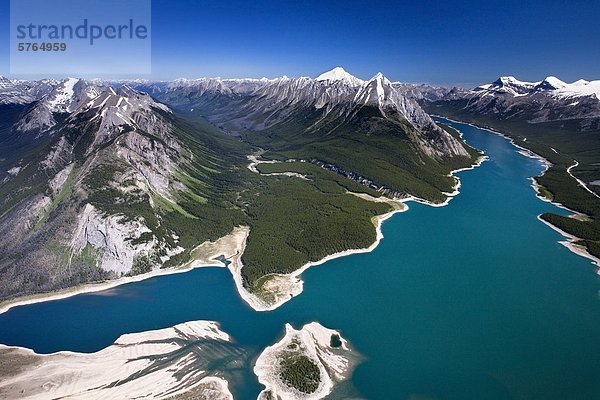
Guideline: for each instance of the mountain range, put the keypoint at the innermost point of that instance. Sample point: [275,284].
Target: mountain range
[559,121]
[104,179]
[508,98]
[101,179]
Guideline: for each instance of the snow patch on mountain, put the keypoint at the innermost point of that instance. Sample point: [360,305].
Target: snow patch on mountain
[62,96]
[580,88]
[509,85]
[65,97]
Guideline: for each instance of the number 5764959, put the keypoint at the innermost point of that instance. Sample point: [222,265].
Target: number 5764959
[46,46]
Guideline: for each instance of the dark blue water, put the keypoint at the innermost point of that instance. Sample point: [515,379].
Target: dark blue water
[475,300]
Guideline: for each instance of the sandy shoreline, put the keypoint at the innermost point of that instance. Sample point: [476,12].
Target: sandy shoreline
[226,246]
[571,245]
[176,360]
[92,287]
[571,239]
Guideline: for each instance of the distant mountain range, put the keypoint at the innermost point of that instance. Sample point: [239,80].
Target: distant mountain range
[551,85]
[332,98]
[557,120]
[508,98]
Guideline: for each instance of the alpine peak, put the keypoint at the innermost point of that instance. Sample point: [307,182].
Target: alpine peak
[551,83]
[339,74]
[380,77]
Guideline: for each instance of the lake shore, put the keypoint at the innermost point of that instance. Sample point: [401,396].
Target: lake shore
[90,287]
[167,355]
[570,239]
[283,287]
[571,244]
[205,257]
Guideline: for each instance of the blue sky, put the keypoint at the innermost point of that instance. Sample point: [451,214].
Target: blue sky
[441,42]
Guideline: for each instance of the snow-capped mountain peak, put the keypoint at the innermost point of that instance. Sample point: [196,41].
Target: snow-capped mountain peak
[580,82]
[120,104]
[119,110]
[64,97]
[511,80]
[579,88]
[551,83]
[339,74]
[379,77]
[376,91]
[507,85]
[513,86]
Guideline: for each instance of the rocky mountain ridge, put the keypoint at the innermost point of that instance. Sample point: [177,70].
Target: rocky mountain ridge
[118,142]
[508,98]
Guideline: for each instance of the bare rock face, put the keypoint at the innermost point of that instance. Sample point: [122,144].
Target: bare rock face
[39,119]
[140,136]
[59,154]
[115,149]
[152,161]
[26,218]
[57,183]
[124,107]
[112,238]
[124,123]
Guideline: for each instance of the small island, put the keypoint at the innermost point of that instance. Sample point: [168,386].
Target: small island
[305,364]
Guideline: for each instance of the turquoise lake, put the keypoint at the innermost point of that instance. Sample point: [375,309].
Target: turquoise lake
[475,300]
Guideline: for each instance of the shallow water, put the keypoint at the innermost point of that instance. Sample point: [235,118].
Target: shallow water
[475,300]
